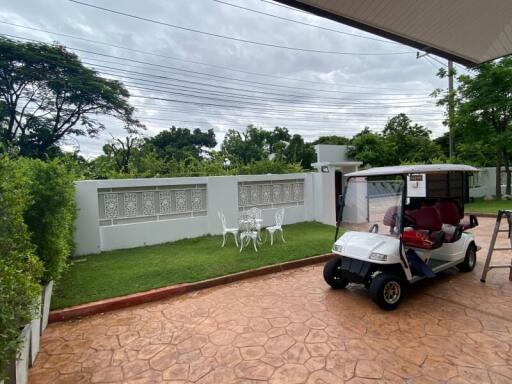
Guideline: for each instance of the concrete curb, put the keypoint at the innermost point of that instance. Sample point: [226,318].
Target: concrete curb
[175,290]
[480,214]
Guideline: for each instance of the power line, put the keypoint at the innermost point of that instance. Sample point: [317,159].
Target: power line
[309,98]
[303,23]
[266,92]
[235,38]
[323,110]
[259,110]
[291,98]
[439,61]
[270,115]
[210,124]
[431,63]
[287,7]
[265,85]
[193,61]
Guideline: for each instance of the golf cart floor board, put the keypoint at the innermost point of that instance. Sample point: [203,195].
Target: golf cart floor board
[437,266]
[433,263]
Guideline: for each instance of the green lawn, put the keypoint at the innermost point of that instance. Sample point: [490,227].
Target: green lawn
[122,272]
[487,206]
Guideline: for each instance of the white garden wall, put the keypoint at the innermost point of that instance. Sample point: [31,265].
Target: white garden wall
[126,213]
[483,183]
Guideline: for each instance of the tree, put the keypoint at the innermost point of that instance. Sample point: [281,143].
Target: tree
[47,94]
[400,142]
[483,111]
[299,152]
[372,149]
[277,140]
[180,143]
[411,142]
[121,151]
[245,147]
[334,140]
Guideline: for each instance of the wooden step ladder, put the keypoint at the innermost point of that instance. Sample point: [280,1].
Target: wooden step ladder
[492,246]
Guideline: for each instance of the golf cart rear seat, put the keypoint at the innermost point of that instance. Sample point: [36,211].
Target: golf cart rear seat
[426,232]
[452,214]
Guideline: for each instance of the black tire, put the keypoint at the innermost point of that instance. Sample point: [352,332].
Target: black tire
[469,262]
[387,290]
[333,276]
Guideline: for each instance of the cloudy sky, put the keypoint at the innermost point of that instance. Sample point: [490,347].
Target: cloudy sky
[334,80]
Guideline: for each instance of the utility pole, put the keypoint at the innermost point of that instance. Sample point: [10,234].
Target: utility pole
[451,102]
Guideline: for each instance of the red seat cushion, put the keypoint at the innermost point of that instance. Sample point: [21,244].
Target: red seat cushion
[425,218]
[416,239]
[449,212]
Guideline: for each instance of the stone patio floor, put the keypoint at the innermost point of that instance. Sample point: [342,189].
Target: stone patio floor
[291,328]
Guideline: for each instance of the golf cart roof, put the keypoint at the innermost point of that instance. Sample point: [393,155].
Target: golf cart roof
[408,169]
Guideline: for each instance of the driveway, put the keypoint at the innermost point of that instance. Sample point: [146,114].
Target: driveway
[291,328]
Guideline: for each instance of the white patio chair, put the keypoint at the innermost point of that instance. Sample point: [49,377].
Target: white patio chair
[226,230]
[279,218]
[248,232]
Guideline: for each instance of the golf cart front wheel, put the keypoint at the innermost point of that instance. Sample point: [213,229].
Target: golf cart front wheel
[387,290]
[332,274]
[469,262]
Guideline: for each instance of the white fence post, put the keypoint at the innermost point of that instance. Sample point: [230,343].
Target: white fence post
[87,232]
[222,196]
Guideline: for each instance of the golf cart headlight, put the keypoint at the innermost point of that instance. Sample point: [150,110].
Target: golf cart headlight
[337,248]
[378,256]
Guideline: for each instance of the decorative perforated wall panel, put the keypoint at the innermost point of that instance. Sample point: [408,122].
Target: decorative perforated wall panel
[271,193]
[140,204]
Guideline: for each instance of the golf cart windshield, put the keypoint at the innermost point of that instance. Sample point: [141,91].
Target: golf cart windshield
[374,204]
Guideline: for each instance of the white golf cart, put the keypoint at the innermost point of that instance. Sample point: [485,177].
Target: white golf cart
[415,214]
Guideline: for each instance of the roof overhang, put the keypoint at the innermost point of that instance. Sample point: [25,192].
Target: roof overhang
[469,32]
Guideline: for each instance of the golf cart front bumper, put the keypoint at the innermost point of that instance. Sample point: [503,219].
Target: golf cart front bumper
[354,270]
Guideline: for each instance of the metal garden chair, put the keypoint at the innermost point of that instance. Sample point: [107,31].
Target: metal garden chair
[226,229]
[279,218]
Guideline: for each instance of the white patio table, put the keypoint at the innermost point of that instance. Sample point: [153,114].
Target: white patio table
[250,228]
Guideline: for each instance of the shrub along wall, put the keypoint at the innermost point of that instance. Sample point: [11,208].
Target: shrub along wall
[20,269]
[51,215]
[36,230]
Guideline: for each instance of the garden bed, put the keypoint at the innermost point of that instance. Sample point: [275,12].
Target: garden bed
[116,273]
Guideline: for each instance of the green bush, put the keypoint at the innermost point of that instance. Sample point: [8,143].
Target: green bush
[20,270]
[51,215]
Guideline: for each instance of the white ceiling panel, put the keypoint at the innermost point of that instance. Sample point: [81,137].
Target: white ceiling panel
[467,31]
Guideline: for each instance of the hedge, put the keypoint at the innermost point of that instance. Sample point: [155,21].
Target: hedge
[51,215]
[37,213]
[20,269]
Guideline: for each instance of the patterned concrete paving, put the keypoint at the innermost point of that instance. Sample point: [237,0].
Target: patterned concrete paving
[291,328]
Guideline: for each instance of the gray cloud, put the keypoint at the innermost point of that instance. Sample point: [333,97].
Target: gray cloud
[379,86]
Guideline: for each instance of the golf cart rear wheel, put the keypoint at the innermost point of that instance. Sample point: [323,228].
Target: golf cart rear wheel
[387,290]
[333,276]
[469,262]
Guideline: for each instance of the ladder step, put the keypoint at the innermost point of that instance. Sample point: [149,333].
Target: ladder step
[503,230]
[500,266]
[502,249]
